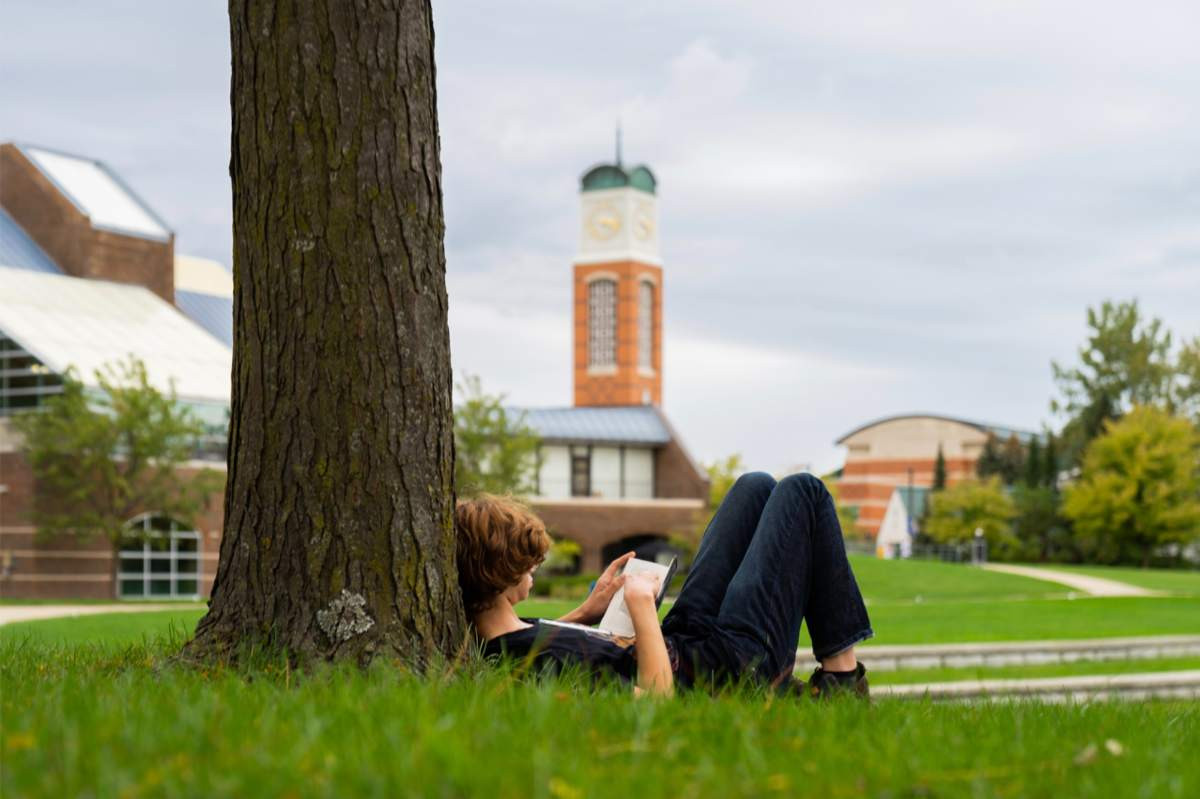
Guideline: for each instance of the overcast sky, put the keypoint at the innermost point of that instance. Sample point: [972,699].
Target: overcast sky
[866,209]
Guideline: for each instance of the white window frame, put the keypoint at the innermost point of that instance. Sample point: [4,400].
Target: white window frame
[140,548]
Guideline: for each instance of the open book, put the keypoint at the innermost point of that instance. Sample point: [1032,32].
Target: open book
[617,622]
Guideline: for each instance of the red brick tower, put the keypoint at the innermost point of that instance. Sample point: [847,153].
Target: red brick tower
[618,289]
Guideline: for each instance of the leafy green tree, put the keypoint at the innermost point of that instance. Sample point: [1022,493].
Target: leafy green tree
[101,457]
[1125,362]
[1187,386]
[956,513]
[939,470]
[1139,488]
[493,450]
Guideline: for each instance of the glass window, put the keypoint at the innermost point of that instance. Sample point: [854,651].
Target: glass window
[646,325]
[602,323]
[159,559]
[581,477]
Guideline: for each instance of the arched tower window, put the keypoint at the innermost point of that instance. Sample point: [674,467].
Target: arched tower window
[602,323]
[646,325]
[158,558]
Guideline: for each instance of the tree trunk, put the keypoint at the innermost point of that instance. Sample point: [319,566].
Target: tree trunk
[339,536]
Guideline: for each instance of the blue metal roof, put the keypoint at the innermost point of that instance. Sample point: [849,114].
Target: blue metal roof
[212,312]
[633,424]
[19,251]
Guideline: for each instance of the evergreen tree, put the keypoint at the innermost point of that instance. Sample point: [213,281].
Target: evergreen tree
[1012,460]
[1050,463]
[989,460]
[1033,463]
[939,470]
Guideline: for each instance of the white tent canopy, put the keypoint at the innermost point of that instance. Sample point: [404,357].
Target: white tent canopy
[65,321]
[894,530]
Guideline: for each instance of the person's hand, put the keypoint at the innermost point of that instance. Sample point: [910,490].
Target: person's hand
[641,588]
[592,609]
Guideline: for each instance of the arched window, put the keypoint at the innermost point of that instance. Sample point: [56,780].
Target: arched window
[158,559]
[646,325]
[602,323]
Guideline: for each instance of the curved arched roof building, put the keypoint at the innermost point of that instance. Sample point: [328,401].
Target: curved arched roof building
[898,451]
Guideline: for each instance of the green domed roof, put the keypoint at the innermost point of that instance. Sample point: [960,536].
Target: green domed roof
[614,176]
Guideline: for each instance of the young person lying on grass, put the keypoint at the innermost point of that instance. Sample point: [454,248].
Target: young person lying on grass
[772,557]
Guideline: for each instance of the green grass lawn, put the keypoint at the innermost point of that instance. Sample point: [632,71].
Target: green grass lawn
[103,721]
[907,581]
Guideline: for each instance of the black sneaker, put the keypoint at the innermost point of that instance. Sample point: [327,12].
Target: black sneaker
[826,684]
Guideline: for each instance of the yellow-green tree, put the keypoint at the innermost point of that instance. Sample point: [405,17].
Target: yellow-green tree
[957,512]
[101,456]
[494,450]
[1139,488]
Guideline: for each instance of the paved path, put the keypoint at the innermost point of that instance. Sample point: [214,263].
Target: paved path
[1162,684]
[1095,586]
[15,613]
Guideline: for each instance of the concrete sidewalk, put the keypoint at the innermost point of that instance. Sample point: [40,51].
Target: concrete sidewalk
[1162,684]
[10,614]
[1093,586]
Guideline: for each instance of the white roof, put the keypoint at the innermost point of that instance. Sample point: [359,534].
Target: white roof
[202,275]
[66,321]
[98,193]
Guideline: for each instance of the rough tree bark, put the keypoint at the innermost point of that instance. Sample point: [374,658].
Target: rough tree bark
[339,539]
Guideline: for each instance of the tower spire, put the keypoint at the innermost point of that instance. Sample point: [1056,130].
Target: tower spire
[618,141]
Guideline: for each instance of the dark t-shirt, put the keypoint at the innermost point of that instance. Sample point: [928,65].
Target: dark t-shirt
[555,646]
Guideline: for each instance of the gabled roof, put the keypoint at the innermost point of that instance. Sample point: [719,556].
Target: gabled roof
[98,193]
[19,251]
[999,431]
[632,424]
[66,321]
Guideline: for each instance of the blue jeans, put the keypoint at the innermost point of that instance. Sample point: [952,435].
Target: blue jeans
[771,557]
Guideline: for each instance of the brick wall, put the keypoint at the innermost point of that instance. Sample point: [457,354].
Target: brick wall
[867,484]
[595,524]
[628,384]
[67,235]
[37,567]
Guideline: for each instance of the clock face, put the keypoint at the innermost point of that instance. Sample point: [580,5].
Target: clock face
[604,221]
[643,223]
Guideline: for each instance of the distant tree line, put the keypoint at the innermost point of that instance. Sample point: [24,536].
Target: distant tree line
[1119,482]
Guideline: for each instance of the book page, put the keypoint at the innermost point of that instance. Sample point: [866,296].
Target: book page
[617,619]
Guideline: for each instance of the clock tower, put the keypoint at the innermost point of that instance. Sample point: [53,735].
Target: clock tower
[618,289]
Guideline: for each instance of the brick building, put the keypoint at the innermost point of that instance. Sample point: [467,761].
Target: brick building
[899,452]
[88,275]
[612,472]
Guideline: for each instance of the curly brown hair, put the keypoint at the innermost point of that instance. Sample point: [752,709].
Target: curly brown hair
[499,539]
